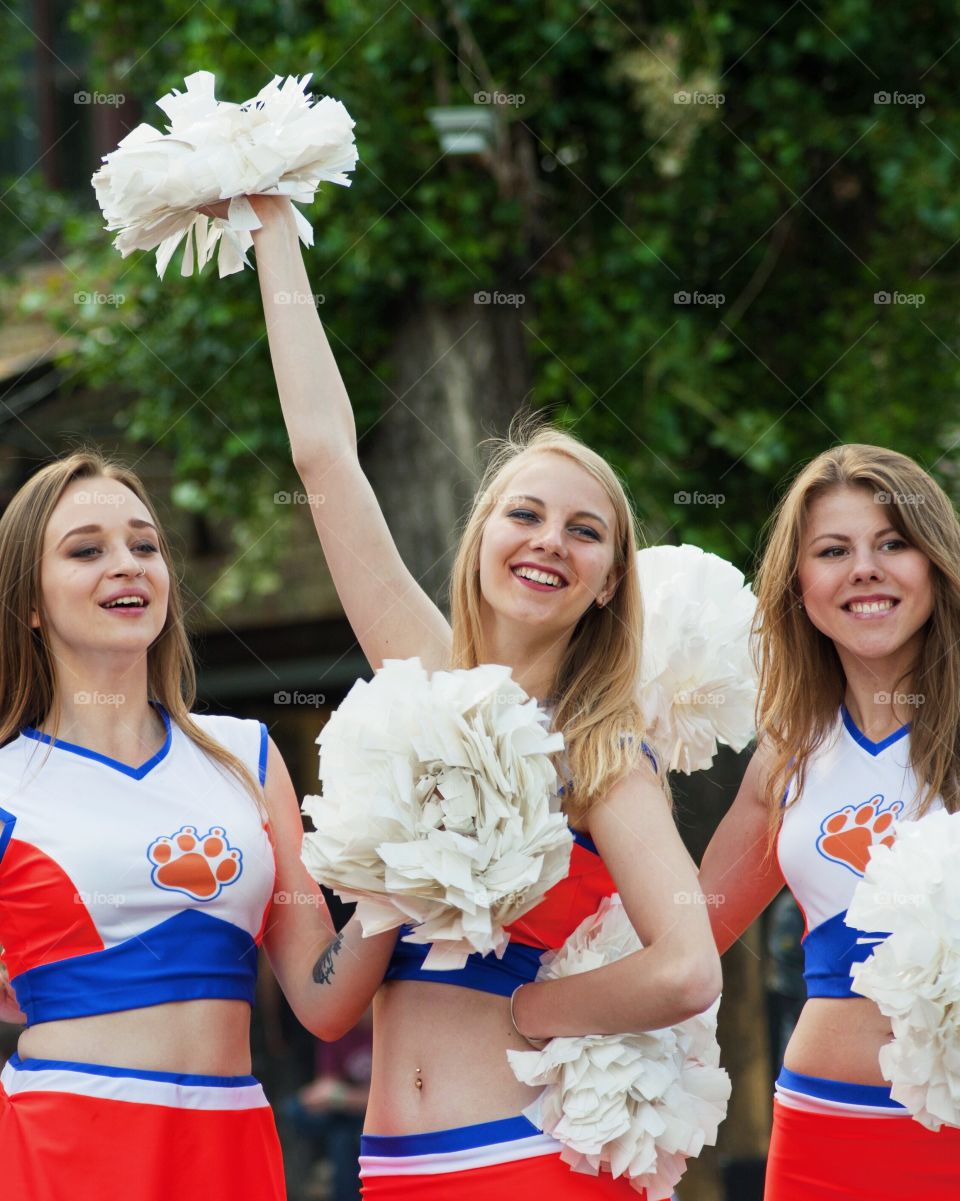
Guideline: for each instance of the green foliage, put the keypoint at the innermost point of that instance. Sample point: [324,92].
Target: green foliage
[792,193]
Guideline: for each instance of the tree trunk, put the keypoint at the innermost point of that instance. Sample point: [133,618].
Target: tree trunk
[461,374]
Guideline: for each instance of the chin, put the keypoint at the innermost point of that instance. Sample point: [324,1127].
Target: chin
[874,650]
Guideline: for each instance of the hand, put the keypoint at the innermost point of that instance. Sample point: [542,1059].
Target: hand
[267,208]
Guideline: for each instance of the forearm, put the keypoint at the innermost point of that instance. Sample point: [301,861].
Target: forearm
[335,987]
[648,990]
[739,877]
[313,398]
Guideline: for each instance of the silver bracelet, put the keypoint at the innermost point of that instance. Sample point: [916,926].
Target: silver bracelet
[537,1043]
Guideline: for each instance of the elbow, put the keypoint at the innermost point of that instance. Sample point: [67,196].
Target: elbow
[315,458]
[329,1020]
[326,1031]
[327,1027]
[698,983]
[308,458]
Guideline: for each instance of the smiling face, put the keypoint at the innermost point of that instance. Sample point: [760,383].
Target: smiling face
[863,585]
[547,550]
[103,581]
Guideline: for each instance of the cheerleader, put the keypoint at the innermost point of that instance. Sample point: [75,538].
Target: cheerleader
[141,849]
[545,582]
[859,716]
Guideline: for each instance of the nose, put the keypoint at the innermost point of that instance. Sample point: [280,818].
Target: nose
[549,537]
[123,562]
[865,565]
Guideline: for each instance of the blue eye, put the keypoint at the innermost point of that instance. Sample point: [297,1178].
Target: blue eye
[523,514]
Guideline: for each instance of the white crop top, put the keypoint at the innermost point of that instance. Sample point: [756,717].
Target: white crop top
[123,887]
[855,793]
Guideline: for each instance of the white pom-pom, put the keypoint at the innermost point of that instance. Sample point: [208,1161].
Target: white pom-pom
[278,143]
[912,890]
[438,807]
[697,683]
[637,1105]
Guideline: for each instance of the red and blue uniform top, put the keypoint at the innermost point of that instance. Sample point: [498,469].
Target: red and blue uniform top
[123,887]
[544,928]
[854,794]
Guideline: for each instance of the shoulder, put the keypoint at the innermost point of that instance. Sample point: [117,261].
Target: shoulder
[643,748]
[627,800]
[835,749]
[21,758]
[246,738]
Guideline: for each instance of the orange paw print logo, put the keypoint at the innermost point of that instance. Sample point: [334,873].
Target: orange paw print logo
[848,835]
[200,866]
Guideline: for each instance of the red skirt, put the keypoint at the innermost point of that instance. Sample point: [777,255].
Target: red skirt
[842,1157]
[85,1132]
[492,1161]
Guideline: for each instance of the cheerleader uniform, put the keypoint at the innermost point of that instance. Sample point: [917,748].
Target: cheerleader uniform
[510,1157]
[121,888]
[831,1139]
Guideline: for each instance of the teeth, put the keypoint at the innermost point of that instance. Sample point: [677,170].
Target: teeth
[126,601]
[538,577]
[870,607]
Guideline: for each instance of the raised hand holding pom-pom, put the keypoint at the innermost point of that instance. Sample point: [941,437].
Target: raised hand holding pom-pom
[163,189]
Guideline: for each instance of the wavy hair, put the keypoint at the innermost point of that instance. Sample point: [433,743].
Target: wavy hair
[802,682]
[594,692]
[27,676]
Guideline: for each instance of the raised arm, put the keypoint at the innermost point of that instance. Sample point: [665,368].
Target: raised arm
[391,615]
[677,974]
[328,979]
[740,874]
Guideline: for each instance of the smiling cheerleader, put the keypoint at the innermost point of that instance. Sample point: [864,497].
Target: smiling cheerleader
[545,583]
[859,716]
[140,850]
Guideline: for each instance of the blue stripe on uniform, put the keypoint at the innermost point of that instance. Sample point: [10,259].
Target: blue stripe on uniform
[135,773]
[829,952]
[837,1090]
[459,1138]
[6,830]
[99,1069]
[264,750]
[519,964]
[584,840]
[862,740]
[190,956]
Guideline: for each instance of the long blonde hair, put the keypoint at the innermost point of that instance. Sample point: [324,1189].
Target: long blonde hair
[594,689]
[802,682]
[27,678]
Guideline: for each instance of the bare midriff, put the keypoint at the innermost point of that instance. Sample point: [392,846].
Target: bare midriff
[439,1059]
[205,1038]
[839,1038]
